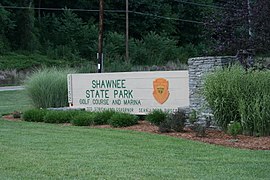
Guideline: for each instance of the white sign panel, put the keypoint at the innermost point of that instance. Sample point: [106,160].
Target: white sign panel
[131,92]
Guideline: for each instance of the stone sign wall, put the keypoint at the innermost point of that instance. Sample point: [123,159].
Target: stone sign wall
[135,92]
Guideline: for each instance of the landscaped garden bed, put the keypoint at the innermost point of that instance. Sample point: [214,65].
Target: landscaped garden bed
[213,136]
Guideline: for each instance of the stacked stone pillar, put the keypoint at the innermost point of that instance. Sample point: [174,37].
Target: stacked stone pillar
[198,68]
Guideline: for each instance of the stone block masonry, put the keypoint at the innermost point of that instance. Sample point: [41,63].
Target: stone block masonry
[198,68]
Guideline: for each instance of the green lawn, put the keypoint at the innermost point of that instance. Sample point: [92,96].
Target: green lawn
[49,151]
[11,101]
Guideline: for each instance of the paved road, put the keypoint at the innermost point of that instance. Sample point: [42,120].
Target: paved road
[11,88]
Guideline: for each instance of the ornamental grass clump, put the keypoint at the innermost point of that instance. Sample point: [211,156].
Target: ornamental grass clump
[240,96]
[222,89]
[47,87]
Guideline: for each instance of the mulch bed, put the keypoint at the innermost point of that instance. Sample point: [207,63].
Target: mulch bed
[212,136]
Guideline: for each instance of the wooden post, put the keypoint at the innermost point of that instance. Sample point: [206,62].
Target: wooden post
[100,36]
[39,5]
[127,53]
[249,19]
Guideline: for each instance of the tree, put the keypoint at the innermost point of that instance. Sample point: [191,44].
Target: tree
[154,49]
[261,26]
[229,26]
[68,36]
[6,25]
[27,33]
[190,28]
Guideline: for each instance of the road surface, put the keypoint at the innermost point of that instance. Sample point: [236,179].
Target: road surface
[11,88]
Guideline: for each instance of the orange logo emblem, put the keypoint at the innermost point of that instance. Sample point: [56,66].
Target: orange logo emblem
[161,90]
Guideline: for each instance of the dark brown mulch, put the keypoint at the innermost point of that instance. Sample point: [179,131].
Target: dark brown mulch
[212,136]
[11,118]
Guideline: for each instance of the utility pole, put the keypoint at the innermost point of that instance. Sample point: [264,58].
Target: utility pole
[100,36]
[39,5]
[249,20]
[127,53]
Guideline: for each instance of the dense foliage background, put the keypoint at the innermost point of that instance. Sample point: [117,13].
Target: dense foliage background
[160,30]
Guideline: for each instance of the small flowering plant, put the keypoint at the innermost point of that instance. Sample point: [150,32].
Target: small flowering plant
[234,128]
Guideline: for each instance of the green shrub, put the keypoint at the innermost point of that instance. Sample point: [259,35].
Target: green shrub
[103,117]
[87,67]
[34,115]
[84,119]
[60,116]
[48,87]
[27,61]
[236,95]
[156,117]
[178,120]
[123,120]
[234,128]
[164,127]
[174,122]
[116,65]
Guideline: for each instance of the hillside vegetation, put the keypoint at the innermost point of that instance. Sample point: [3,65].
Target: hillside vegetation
[35,33]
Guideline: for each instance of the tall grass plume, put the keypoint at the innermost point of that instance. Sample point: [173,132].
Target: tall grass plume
[240,96]
[47,87]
